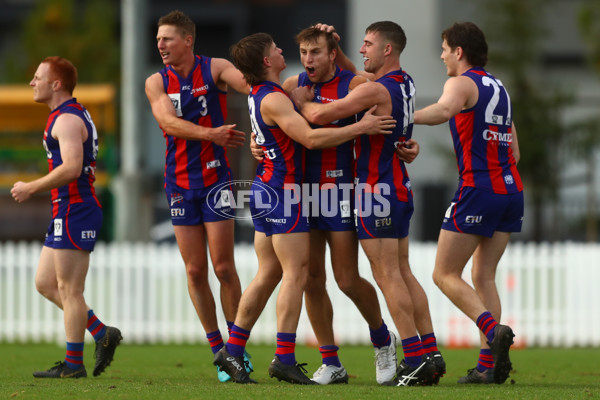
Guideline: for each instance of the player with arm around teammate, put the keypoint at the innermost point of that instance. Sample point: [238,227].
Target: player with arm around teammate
[331,172]
[380,175]
[282,235]
[488,204]
[188,100]
[71,144]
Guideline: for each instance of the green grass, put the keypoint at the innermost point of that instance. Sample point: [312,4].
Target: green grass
[186,372]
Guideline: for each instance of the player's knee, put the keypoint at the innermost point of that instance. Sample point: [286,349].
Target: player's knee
[68,291]
[196,273]
[224,271]
[438,278]
[346,284]
[46,289]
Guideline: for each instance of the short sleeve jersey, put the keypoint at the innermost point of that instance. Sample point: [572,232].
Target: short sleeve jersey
[376,160]
[195,164]
[482,136]
[283,157]
[336,164]
[80,190]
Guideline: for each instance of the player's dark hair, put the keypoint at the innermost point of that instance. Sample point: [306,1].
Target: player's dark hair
[63,70]
[247,55]
[390,31]
[312,35]
[185,26]
[471,39]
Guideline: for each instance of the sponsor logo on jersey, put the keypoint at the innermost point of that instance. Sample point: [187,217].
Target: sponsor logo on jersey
[336,173]
[213,164]
[499,137]
[200,90]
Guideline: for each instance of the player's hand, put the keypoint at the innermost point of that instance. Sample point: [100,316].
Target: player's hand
[255,149]
[20,191]
[377,124]
[328,28]
[226,136]
[408,151]
[301,95]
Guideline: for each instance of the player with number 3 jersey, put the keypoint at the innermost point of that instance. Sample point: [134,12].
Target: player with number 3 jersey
[188,100]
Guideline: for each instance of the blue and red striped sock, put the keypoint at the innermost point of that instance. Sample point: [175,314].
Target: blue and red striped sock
[329,355]
[95,326]
[237,341]
[429,343]
[413,351]
[74,356]
[486,323]
[380,337]
[286,348]
[486,360]
[215,340]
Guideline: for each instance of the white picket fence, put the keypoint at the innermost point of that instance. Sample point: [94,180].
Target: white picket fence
[549,292]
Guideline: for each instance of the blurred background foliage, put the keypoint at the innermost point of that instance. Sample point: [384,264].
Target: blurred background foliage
[85,32]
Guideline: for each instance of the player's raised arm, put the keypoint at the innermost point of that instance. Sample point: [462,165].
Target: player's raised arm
[226,73]
[166,116]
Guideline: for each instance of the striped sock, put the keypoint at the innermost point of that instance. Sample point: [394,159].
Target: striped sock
[381,336]
[413,351]
[74,356]
[215,340]
[329,355]
[429,343]
[95,326]
[237,341]
[486,360]
[486,323]
[286,347]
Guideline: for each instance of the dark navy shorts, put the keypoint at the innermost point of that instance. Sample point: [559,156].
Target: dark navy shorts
[276,210]
[330,208]
[481,212]
[382,216]
[196,206]
[76,226]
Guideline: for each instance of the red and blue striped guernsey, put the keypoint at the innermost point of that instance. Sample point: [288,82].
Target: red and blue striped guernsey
[376,160]
[283,160]
[82,189]
[482,136]
[195,164]
[336,164]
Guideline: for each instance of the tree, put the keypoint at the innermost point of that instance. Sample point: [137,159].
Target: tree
[588,131]
[85,32]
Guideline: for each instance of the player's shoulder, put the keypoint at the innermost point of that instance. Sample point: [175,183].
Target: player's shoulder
[290,83]
[218,64]
[357,80]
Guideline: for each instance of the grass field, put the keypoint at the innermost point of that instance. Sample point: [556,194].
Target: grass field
[186,372]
